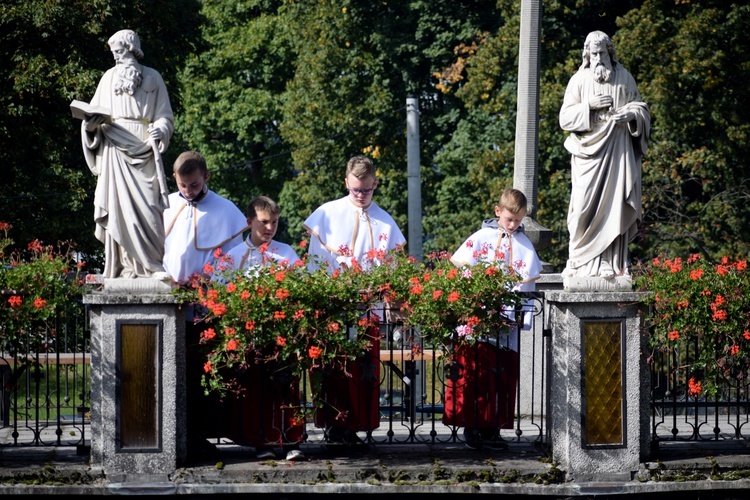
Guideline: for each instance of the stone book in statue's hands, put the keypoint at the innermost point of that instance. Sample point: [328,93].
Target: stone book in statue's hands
[83,110]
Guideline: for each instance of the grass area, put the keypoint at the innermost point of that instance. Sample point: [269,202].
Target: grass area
[47,391]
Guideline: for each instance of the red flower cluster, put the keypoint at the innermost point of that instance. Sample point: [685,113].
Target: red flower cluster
[706,306]
[314,352]
[694,387]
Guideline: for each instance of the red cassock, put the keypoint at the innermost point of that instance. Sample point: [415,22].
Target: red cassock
[351,402]
[480,387]
[266,412]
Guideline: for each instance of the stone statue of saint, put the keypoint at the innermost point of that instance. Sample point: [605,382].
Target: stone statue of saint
[609,129]
[123,149]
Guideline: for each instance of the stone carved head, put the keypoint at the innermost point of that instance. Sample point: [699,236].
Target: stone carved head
[128,39]
[598,37]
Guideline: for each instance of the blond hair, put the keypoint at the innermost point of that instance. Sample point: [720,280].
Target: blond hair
[360,167]
[513,200]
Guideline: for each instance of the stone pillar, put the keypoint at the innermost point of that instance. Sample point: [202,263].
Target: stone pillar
[600,384]
[138,420]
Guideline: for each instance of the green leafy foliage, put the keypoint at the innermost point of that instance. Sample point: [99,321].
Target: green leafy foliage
[690,61]
[278,95]
[453,306]
[281,313]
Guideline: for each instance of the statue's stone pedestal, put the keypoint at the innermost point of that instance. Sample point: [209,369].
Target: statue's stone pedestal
[600,422]
[596,284]
[138,418]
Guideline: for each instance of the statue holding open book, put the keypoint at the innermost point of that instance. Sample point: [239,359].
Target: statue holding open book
[125,129]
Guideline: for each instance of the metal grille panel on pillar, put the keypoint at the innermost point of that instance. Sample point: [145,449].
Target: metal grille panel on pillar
[603,383]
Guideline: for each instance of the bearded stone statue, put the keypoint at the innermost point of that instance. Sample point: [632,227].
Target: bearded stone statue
[123,149]
[609,128]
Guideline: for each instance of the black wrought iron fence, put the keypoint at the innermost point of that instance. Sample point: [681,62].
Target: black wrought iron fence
[45,394]
[679,415]
[424,394]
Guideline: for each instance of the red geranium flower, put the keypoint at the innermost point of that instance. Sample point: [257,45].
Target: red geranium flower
[219,309]
[694,387]
[314,352]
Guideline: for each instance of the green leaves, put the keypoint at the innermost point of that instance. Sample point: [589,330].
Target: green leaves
[451,305]
[278,95]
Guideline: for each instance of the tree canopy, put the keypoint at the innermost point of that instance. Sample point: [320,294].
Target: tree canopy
[278,94]
[52,53]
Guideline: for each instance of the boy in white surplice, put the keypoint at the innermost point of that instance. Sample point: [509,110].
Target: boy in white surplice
[343,231]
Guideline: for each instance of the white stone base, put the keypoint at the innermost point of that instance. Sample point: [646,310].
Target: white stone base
[596,284]
[137,285]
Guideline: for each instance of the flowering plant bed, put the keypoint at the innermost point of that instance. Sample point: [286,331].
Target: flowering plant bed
[281,313]
[702,308]
[302,319]
[38,287]
[454,306]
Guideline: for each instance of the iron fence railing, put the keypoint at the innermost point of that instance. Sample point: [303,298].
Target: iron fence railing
[45,396]
[676,415]
[417,385]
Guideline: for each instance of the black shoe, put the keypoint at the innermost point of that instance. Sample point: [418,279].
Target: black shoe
[200,448]
[472,439]
[474,444]
[351,438]
[496,445]
[335,435]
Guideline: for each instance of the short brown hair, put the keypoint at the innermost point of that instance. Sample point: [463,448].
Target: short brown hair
[513,201]
[262,204]
[189,162]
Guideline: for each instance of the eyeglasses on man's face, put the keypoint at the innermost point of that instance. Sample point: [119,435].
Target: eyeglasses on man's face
[363,192]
